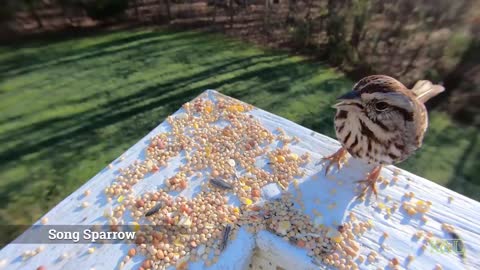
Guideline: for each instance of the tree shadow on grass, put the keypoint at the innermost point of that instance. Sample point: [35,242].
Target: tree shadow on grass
[53,150]
[21,65]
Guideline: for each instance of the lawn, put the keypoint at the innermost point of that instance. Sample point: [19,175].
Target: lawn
[69,107]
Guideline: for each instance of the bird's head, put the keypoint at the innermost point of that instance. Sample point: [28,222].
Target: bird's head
[379,97]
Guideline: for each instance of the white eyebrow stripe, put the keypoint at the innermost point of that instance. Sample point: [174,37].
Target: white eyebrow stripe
[392,98]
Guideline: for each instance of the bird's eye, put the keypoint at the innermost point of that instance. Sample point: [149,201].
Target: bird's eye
[381,106]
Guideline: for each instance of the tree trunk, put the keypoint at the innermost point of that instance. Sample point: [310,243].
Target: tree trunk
[356,32]
[309,10]
[137,12]
[232,12]
[266,17]
[289,20]
[214,15]
[32,9]
[67,17]
[169,12]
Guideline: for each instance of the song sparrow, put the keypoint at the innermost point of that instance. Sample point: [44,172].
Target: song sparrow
[382,122]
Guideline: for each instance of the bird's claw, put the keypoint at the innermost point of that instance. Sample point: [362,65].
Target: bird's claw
[337,158]
[370,183]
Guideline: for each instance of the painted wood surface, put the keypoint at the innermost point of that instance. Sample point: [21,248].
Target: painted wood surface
[332,195]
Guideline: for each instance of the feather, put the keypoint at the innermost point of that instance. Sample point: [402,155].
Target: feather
[425,90]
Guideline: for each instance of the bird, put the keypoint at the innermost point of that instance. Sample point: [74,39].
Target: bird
[381,122]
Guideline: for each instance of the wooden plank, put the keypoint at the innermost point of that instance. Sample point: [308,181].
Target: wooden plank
[335,193]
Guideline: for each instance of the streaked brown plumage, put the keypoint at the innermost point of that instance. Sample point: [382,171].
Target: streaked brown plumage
[382,122]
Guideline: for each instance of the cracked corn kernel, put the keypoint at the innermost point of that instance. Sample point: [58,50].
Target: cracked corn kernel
[337,238]
[422,206]
[370,224]
[280,159]
[293,156]
[208,109]
[135,226]
[246,201]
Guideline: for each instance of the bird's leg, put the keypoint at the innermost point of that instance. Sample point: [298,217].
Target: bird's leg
[338,158]
[370,181]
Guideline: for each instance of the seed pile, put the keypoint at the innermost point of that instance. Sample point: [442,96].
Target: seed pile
[282,218]
[181,228]
[220,144]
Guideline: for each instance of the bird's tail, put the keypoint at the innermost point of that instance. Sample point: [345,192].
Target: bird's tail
[425,90]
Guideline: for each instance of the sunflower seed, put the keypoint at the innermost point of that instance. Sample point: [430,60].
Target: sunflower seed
[226,233]
[154,210]
[221,183]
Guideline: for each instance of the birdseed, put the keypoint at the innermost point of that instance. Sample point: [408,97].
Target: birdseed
[191,229]
[44,220]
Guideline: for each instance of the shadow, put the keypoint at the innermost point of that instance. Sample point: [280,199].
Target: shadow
[100,200]
[336,200]
[22,65]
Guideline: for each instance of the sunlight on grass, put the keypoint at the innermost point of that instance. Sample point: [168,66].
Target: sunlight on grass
[70,107]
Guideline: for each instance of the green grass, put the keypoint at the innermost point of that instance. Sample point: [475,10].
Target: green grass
[69,107]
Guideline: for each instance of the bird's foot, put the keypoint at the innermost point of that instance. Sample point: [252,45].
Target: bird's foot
[370,182]
[338,158]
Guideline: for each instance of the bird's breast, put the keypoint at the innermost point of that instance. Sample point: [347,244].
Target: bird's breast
[365,140]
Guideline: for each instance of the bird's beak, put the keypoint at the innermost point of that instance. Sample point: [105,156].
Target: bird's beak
[347,98]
